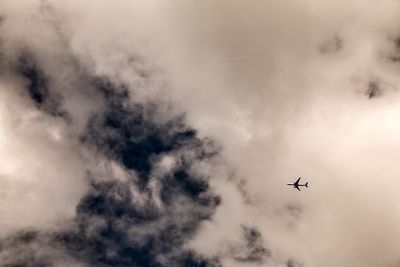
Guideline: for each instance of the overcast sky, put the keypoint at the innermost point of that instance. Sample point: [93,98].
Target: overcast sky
[163,133]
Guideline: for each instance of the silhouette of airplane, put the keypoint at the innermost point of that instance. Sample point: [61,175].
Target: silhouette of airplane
[297,185]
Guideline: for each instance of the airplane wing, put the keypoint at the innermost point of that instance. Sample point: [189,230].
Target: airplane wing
[298,188]
[298,180]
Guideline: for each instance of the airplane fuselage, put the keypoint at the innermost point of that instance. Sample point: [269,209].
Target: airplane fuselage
[298,185]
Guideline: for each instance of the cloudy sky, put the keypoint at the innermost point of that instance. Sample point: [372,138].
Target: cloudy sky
[150,133]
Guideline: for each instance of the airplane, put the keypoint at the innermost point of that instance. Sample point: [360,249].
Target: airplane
[297,185]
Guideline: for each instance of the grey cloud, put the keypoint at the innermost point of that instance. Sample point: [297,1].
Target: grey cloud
[115,227]
[118,222]
[254,250]
[295,210]
[373,90]
[333,45]
[37,85]
[293,263]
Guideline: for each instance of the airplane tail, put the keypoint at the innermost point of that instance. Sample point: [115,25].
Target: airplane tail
[307,184]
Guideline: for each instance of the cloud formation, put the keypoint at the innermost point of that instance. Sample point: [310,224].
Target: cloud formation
[151,133]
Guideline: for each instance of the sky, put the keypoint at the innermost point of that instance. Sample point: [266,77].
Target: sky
[163,133]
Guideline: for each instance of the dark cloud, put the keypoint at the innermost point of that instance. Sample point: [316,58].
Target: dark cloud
[113,226]
[395,57]
[373,90]
[331,46]
[254,250]
[293,263]
[29,249]
[37,84]
[131,134]
[295,210]
[241,186]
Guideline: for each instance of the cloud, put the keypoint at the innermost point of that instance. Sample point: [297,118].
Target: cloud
[292,90]
[139,217]
[163,134]
[255,252]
